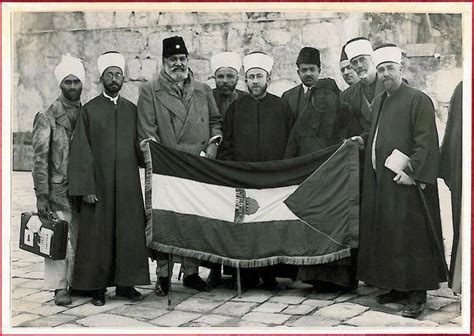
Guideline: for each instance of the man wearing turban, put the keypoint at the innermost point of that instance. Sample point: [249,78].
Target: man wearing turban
[111,247]
[400,245]
[52,130]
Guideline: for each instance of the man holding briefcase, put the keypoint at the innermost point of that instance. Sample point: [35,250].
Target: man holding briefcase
[52,130]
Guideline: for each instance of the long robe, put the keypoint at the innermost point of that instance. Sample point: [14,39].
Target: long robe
[397,250]
[451,172]
[296,99]
[111,246]
[256,130]
[224,102]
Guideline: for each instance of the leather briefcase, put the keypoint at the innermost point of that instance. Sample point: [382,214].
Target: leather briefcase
[43,236]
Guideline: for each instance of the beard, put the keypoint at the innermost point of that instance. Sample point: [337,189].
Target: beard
[177,73]
[113,87]
[226,89]
[72,94]
[257,90]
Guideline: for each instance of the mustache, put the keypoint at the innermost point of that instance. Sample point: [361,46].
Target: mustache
[178,68]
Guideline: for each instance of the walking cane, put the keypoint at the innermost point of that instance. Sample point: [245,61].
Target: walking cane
[432,227]
[169,279]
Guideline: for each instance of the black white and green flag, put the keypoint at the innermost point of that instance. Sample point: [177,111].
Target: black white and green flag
[300,211]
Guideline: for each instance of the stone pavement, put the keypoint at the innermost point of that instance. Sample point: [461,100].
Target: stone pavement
[32,306]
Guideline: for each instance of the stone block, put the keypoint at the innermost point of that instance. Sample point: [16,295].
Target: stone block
[440,317]
[175,319]
[28,283]
[99,20]
[251,324]
[214,320]
[299,309]
[379,319]
[322,296]
[112,321]
[134,67]
[267,318]
[204,18]
[40,297]
[314,321]
[201,68]
[321,35]
[122,19]
[68,326]
[277,36]
[315,303]
[35,21]
[89,309]
[198,305]
[235,38]
[253,296]
[21,292]
[235,308]
[345,297]
[139,312]
[287,299]
[28,103]
[68,20]
[23,318]
[218,294]
[51,321]
[437,302]
[365,290]
[150,68]
[341,311]
[209,42]
[285,62]
[48,309]
[130,91]
[420,49]
[270,307]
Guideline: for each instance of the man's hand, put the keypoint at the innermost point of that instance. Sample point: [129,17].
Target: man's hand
[91,199]
[211,150]
[403,178]
[43,206]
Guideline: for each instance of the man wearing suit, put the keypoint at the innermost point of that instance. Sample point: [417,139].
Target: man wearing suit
[309,69]
[181,113]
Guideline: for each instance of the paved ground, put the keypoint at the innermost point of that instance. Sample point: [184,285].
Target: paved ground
[32,306]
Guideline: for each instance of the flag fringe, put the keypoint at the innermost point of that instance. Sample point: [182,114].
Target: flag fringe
[290,260]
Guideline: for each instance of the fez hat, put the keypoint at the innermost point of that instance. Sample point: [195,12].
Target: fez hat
[387,52]
[174,46]
[309,55]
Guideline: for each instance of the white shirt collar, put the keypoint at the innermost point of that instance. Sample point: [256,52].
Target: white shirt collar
[305,88]
[112,99]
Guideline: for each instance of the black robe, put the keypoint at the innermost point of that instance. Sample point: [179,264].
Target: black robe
[397,250]
[256,130]
[111,246]
[451,171]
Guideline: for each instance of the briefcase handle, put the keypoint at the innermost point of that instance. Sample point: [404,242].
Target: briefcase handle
[49,216]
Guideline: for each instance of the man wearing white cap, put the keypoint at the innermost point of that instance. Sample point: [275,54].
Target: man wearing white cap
[256,128]
[361,94]
[52,130]
[400,245]
[111,247]
[225,68]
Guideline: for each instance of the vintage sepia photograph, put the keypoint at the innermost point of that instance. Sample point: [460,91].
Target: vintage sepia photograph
[236,167]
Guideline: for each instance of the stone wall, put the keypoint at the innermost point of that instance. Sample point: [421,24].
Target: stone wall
[41,38]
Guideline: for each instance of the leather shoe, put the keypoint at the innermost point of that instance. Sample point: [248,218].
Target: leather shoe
[162,286]
[98,298]
[391,297]
[62,297]
[413,309]
[194,281]
[128,292]
[215,277]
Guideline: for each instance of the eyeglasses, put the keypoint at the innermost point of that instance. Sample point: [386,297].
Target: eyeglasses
[111,76]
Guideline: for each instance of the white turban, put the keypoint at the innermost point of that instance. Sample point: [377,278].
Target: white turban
[387,53]
[358,47]
[109,59]
[69,66]
[258,60]
[226,60]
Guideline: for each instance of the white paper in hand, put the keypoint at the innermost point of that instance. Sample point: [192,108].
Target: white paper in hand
[397,161]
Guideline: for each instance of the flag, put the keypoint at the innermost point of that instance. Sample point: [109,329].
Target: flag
[300,211]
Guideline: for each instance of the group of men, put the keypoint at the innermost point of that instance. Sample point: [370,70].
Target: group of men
[86,162]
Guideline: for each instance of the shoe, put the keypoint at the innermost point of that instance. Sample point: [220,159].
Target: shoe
[128,292]
[413,309]
[162,286]
[62,297]
[391,297]
[98,298]
[194,281]
[215,277]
